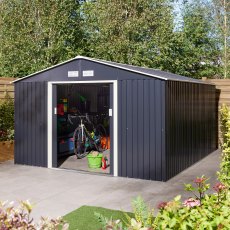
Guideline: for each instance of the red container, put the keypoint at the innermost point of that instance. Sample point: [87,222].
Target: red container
[105,142]
[60,109]
[103,163]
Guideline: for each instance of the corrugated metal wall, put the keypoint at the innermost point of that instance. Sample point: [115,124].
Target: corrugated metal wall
[191,124]
[141,150]
[31,123]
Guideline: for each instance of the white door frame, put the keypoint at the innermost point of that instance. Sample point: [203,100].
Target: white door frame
[115,119]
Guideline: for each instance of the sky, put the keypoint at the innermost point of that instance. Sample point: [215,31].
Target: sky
[177,12]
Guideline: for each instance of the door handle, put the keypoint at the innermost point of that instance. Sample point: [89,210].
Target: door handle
[110,112]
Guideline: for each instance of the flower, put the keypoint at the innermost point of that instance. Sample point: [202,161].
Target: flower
[191,202]
[162,205]
[200,180]
[219,187]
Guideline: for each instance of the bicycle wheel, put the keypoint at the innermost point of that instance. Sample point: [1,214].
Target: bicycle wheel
[80,148]
[100,133]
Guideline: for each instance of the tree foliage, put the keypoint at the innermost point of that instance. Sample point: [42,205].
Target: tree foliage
[143,33]
[195,49]
[222,17]
[131,32]
[224,174]
[36,34]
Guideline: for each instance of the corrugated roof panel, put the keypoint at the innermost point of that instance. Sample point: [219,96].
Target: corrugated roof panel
[163,75]
[154,72]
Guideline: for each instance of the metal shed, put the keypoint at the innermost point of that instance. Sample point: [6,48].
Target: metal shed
[161,123]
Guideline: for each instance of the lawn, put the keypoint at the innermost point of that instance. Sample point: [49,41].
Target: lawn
[83,218]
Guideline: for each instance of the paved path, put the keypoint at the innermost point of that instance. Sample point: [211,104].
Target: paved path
[57,192]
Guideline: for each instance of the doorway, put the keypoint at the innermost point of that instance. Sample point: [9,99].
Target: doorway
[83,105]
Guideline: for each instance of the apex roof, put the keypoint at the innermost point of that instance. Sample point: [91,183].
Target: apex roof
[155,73]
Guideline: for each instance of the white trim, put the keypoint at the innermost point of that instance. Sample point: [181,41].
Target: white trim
[115,129]
[49,119]
[81,82]
[115,119]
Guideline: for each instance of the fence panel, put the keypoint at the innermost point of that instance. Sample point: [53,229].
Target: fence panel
[6,88]
[222,96]
[223,90]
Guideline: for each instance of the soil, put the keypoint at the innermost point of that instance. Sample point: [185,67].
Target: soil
[6,151]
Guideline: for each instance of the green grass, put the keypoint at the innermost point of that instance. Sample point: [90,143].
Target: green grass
[83,218]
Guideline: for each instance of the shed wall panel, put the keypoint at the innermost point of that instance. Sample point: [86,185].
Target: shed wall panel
[124,129]
[158,129]
[134,127]
[191,124]
[141,129]
[140,132]
[120,142]
[17,118]
[129,138]
[146,141]
[31,123]
[153,134]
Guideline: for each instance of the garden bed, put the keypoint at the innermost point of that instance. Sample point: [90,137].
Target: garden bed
[6,151]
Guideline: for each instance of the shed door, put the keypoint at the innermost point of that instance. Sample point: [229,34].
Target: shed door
[93,99]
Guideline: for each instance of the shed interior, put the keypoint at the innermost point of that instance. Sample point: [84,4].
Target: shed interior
[85,105]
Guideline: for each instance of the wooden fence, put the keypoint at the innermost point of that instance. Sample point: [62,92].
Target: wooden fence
[223,97]
[6,87]
[223,90]
[222,85]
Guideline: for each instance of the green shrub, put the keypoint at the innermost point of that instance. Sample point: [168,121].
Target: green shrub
[109,223]
[212,214]
[7,119]
[143,213]
[224,174]
[199,190]
[203,211]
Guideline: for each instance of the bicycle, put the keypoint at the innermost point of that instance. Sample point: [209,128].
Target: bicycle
[85,141]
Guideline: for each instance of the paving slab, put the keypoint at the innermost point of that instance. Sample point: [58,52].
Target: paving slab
[56,192]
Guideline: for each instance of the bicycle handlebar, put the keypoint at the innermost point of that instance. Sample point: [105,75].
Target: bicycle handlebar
[78,116]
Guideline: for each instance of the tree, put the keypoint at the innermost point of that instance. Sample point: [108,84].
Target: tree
[36,34]
[222,12]
[143,33]
[195,46]
[131,32]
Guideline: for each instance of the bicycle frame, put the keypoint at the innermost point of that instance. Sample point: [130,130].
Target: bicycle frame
[82,131]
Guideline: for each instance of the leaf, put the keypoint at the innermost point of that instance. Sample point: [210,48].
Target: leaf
[177,198]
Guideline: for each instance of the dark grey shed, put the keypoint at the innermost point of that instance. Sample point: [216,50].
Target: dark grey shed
[162,122]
